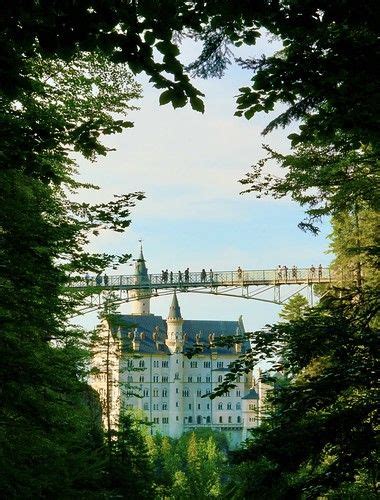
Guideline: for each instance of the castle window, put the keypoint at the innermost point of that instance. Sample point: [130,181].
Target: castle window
[238,420]
[199,379]
[165,378]
[208,420]
[165,364]
[156,363]
[199,419]
[219,364]
[165,420]
[238,393]
[177,404]
[251,407]
[208,379]
[190,420]
[238,406]
[189,379]
[141,363]
[146,393]
[129,378]
[129,363]
[176,390]
[229,420]
[155,393]
[177,418]
[220,420]
[165,393]
[176,376]
[220,406]
[156,420]
[190,406]
[229,407]
[155,378]
[207,364]
[208,406]
[220,378]
[165,406]
[141,378]
[146,406]
[199,393]
[185,393]
[199,406]
[238,378]
[193,364]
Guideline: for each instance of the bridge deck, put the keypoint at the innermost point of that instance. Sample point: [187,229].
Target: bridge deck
[213,279]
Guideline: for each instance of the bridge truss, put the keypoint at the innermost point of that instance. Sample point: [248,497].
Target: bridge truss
[275,286]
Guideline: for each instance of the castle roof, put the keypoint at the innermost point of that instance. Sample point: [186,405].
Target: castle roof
[154,330]
[252,394]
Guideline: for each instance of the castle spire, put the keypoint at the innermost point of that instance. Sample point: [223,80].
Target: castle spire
[141,303]
[174,311]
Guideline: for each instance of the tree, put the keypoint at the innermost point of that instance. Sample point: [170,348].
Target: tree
[47,415]
[294,308]
[320,435]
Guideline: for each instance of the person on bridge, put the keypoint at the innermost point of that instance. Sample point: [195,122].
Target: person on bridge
[320,270]
[180,276]
[106,280]
[166,276]
[187,274]
[294,272]
[171,276]
[98,280]
[87,278]
[312,271]
[240,273]
[279,272]
[285,270]
[203,275]
[211,275]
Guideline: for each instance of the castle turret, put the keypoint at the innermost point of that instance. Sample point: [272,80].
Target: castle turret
[140,297]
[174,324]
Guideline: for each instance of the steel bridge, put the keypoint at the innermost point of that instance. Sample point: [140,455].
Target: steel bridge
[266,285]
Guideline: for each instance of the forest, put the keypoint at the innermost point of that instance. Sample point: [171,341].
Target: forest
[67,80]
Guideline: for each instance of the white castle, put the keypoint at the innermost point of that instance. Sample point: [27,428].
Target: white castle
[149,370]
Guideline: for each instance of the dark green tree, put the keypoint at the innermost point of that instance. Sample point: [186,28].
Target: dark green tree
[294,308]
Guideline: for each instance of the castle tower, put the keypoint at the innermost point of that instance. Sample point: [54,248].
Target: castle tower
[174,324]
[141,306]
[175,342]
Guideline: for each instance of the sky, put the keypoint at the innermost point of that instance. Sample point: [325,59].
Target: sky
[188,164]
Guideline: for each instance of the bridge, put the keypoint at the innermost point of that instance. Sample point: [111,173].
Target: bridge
[249,284]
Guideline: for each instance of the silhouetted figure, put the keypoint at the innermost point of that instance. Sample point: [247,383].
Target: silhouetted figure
[203,275]
[87,278]
[171,276]
[211,275]
[163,276]
[180,276]
[285,270]
[98,280]
[320,271]
[239,272]
[187,273]
[279,272]
[294,272]
[106,280]
[312,271]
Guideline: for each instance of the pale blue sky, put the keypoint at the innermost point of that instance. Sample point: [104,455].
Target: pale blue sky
[188,164]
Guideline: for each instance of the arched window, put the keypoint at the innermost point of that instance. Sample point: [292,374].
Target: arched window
[190,420]
[208,420]
[199,419]
[220,378]
[238,420]
[229,420]
[220,420]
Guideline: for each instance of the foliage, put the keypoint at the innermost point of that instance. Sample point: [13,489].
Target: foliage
[193,465]
[48,418]
[325,179]
[294,308]
[321,430]
[129,473]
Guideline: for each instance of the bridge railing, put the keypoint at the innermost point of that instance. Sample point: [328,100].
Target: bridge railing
[214,278]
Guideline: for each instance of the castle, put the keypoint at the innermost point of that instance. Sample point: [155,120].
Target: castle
[144,366]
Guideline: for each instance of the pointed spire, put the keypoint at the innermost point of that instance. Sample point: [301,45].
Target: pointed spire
[175,311]
[140,268]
